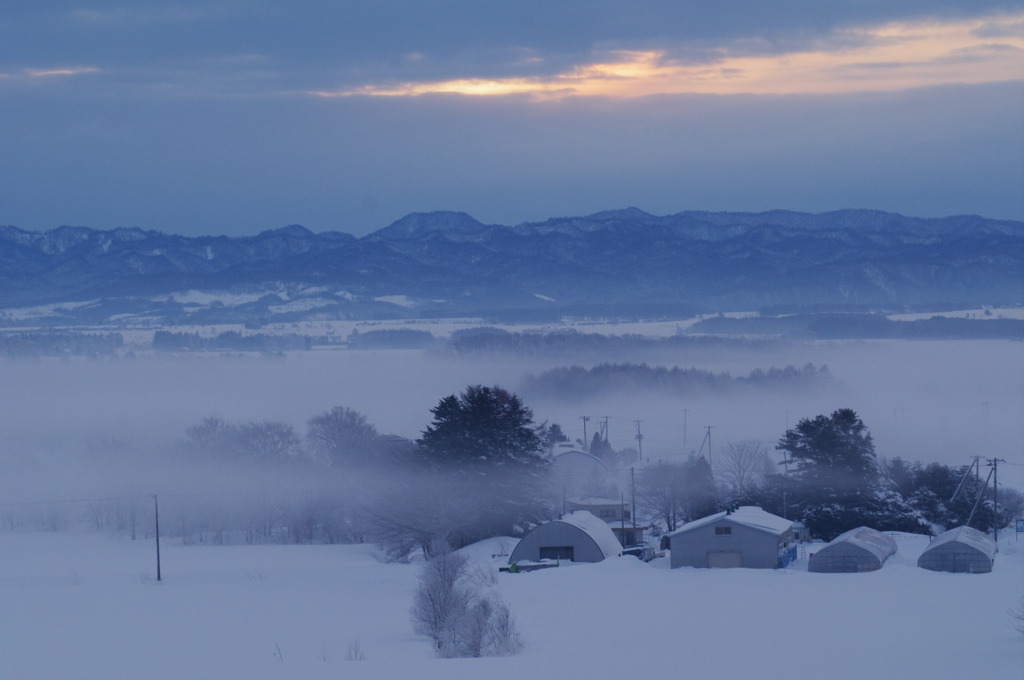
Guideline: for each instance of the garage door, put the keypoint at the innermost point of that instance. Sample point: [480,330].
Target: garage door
[725,558]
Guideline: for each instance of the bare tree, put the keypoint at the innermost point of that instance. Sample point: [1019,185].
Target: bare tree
[268,440]
[662,493]
[675,493]
[1017,616]
[342,437]
[212,436]
[462,618]
[743,465]
[440,600]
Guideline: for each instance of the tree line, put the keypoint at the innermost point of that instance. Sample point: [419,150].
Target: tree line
[576,382]
[59,344]
[168,341]
[830,479]
[483,467]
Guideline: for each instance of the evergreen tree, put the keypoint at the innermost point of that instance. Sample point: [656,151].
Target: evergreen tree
[551,434]
[836,474]
[485,427]
[485,442]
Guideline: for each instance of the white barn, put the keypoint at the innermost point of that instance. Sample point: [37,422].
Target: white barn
[860,549]
[577,537]
[747,537]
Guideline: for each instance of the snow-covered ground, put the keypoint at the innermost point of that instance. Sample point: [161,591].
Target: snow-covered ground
[88,606]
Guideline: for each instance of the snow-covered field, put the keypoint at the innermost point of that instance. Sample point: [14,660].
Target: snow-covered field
[88,606]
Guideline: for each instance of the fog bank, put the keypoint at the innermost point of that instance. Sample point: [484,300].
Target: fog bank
[927,401]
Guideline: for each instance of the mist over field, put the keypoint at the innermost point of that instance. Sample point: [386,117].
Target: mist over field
[98,426]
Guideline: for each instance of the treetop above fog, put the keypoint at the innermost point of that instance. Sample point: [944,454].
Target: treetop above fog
[487,425]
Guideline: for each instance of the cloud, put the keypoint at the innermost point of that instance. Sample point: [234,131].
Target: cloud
[198,115]
[880,58]
[31,73]
[126,16]
[46,72]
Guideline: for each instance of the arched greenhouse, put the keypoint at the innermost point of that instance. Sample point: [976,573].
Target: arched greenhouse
[960,550]
[577,536]
[860,549]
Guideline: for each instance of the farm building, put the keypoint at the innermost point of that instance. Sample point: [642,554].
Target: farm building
[745,537]
[577,473]
[960,550]
[616,513]
[577,536]
[860,549]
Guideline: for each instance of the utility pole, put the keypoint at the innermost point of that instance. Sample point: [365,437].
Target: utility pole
[976,465]
[156,516]
[685,412]
[977,500]
[994,464]
[632,493]
[622,513]
[586,442]
[639,441]
[709,450]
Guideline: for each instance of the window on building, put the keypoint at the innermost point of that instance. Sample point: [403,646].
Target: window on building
[723,531]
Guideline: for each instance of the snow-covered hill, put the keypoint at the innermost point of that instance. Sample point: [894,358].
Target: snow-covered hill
[623,263]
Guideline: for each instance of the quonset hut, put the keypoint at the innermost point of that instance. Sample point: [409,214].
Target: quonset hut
[962,550]
[860,549]
[577,536]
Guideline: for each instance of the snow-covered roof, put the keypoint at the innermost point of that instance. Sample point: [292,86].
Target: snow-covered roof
[747,515]
[967,536]
[577,454]
[596,528]
[875,542]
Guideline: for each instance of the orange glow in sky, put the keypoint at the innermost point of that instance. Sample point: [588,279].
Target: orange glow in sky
[883,58]
[43,72]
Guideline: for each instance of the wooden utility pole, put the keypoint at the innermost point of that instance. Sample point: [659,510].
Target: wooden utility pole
[639,441]
[586,442]
[976,465]
[156,516]
[981,494]
[994,464]
[632,493]
[709,450]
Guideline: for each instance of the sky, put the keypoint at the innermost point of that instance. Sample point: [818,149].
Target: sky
[234,117]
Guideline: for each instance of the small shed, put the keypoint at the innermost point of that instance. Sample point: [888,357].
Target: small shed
[745,537]
[860,549]
[962,550]
[577,537]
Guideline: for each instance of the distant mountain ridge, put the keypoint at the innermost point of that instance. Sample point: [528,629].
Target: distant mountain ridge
[616,263]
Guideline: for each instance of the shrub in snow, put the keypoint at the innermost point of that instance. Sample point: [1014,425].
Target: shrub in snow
[459,616]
